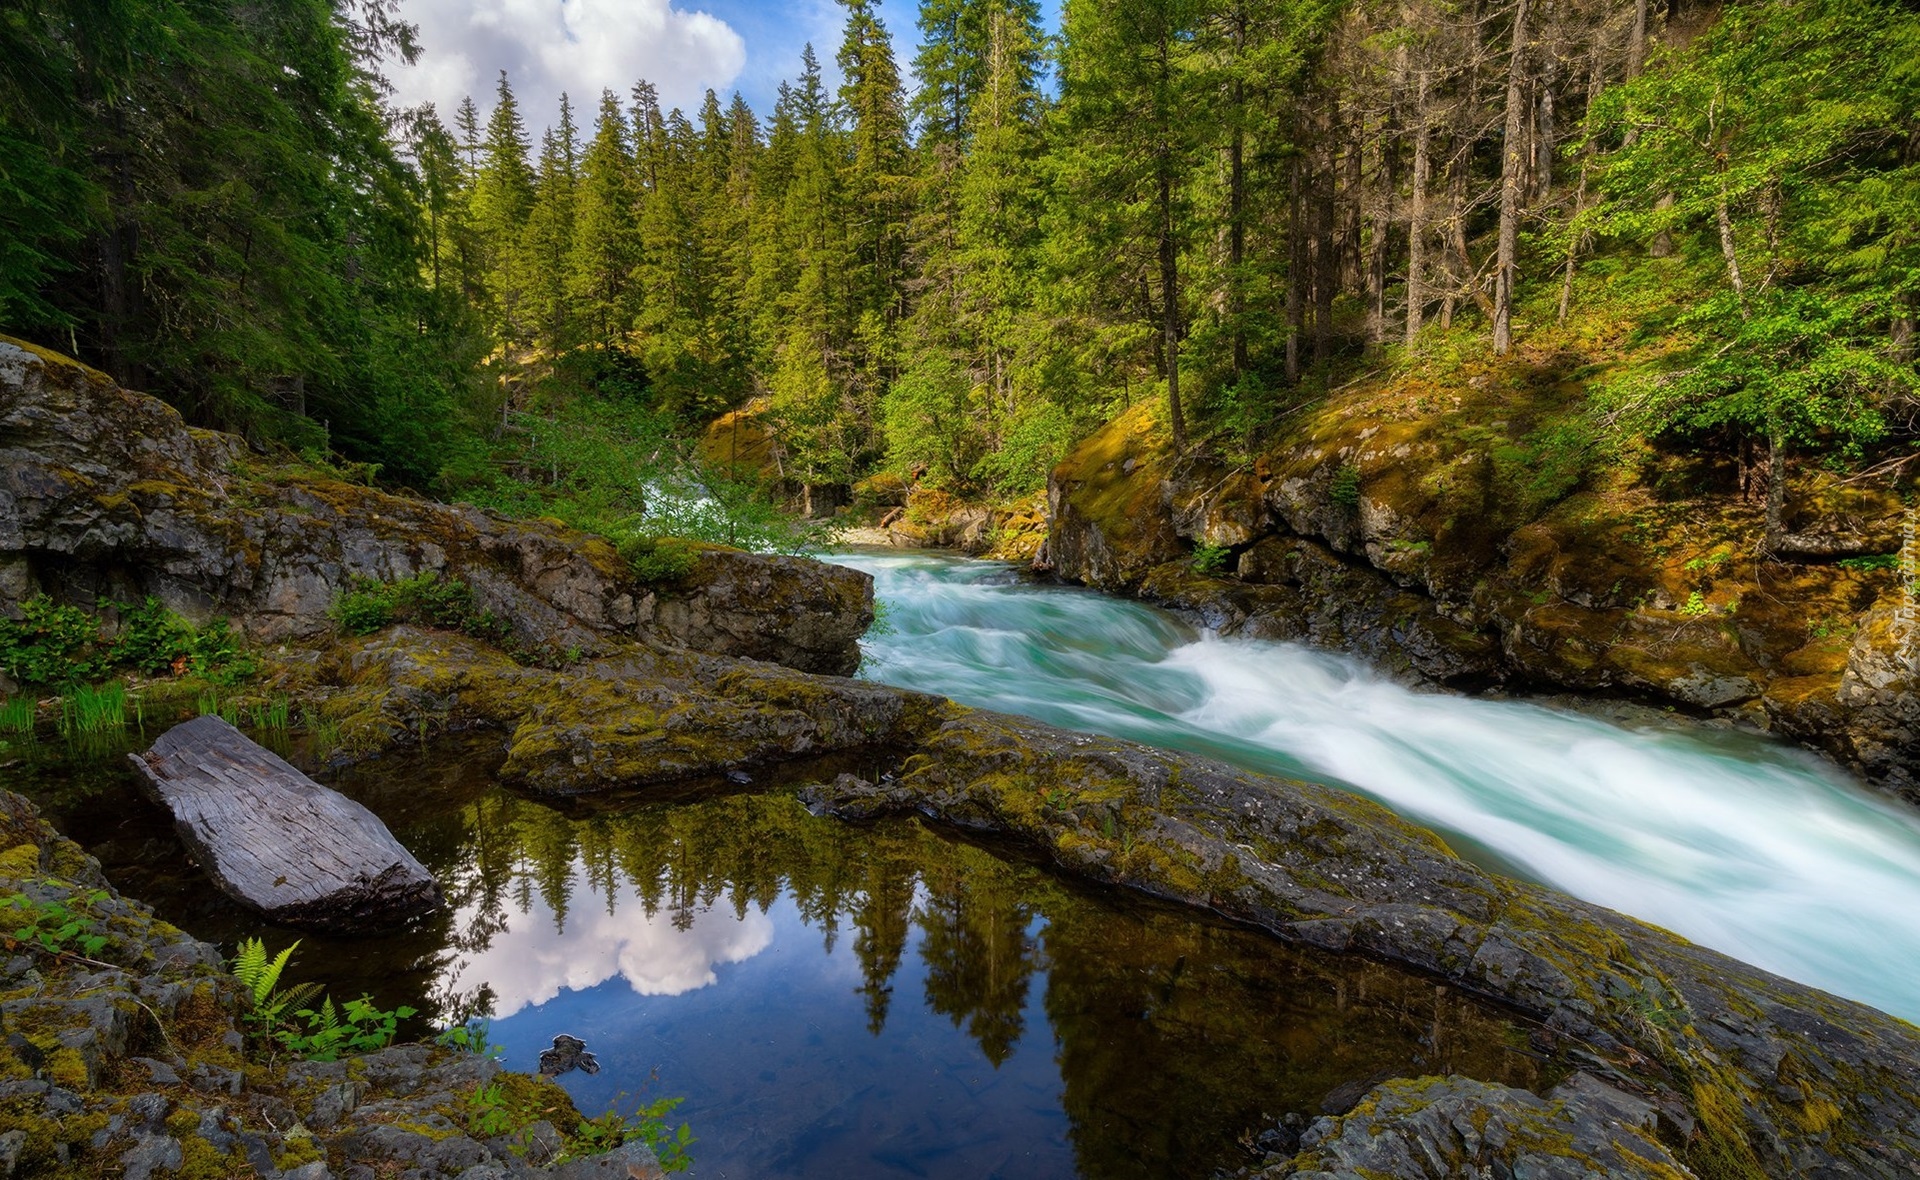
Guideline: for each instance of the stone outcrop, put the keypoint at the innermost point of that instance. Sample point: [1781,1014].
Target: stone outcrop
[131,1060]
[1768,1077]
[105,492]
[1419,546]
[1443,1128]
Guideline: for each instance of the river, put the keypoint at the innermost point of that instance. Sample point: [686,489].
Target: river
[1734,840]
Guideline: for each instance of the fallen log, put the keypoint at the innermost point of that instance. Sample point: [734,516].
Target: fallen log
[274,840]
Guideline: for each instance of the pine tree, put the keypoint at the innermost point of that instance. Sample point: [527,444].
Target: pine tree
[503,193]
[606,240]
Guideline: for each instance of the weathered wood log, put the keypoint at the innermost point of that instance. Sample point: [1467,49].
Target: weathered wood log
[274,840]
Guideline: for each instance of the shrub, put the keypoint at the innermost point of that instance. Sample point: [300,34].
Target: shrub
[659,559]
[427,599]
[1345,489]
[1210,560]
[52,643]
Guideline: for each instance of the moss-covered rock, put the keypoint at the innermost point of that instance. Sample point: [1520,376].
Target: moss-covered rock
[108,493]
[1451,535]
[128,1057]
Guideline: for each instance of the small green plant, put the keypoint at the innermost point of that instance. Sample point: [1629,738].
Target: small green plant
[88,710]
[271,715]
[1209,560]
[322,1033]
[324,731]
[358,1026]
[17,715]
[260,976]
[426,598]
[211,704]
[648,1123]
[1694,606]
[659,559]
[52,643]
[1875,561]
[54,927]
[152,638]
[1345,488]
[1710,561]
[488,1116]
[470,1037]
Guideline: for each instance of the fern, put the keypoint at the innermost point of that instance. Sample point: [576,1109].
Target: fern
[260,975]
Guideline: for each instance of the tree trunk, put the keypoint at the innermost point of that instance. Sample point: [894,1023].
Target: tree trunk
[1776,490]
[1512,175]
[1237,235]
[1296,264]
[1544,137]
[1724,219]
[1326,268]
[1417,215]
[1637,40]
[1169,272]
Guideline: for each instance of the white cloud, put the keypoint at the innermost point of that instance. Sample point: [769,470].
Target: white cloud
[531,962]
[576,46]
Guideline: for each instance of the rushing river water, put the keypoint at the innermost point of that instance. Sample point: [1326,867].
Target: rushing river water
[1733,840]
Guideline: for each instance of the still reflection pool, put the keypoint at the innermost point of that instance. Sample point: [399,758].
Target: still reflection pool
[841,1001]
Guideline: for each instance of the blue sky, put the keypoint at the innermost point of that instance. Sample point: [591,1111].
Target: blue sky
[580,46]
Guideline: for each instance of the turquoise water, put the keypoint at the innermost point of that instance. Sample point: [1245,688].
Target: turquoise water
[1736,841]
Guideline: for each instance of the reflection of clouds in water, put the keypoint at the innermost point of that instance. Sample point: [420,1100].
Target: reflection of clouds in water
[531,962]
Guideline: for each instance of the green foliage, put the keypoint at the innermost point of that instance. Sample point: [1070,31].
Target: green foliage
[1874,561]
[17,715]
[649,1124]
[52,643]
[1209,560]
[658,560]
[1694,606]
[425,599]
[54,927]
[60,645]
[286,1017]
[1345,488]
[89,710]
[470,1037]
[358,1026]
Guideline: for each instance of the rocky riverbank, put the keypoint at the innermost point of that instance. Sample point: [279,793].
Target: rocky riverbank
[1684,1062]
[131,1059]
[1440,550]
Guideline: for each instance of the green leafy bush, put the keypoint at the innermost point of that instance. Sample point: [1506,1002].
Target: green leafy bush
[323,1033]
[1209,560]
[1345,488]
[659,559]
[52,926]
[60,645]
[427,599]
[52,643]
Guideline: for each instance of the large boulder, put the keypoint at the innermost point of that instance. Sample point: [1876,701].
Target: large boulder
[107,492]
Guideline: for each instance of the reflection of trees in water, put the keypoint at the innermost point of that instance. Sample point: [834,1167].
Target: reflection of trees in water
[748,852]
[977,950]
[1173,1036]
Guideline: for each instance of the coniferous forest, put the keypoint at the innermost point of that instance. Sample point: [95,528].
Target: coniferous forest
[954,274]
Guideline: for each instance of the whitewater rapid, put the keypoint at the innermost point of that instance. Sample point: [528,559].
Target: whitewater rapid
[1735,841]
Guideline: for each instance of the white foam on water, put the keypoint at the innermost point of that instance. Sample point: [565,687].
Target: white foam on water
[1737,842]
